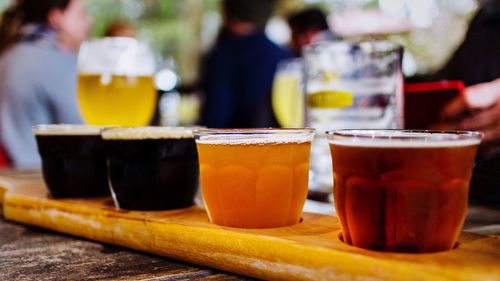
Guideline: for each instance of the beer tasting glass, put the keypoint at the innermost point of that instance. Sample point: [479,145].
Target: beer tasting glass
[349,85]
[402,191]
[254,178]
[115,83]
[73,160]
[152,168]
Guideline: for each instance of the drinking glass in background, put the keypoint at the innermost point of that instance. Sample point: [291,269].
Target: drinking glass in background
[115,84]
[73,160]
[152,168]
[349,85]
[402,191]
[254,178]
[288,94]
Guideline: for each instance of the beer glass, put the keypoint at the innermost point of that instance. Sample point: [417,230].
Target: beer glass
[254,178]
[402,191]
[349,85]
[115,83]
[73,160]
[288,95]
[152,168]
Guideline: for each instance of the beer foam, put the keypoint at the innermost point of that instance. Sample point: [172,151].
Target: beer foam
[257,136]
[67,130]
[257,139]
[142,133]
[403,139]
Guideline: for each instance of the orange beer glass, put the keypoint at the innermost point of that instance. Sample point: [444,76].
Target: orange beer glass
[402,191]
[254,178]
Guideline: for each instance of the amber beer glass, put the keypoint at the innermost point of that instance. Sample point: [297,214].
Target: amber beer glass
[254,178]
[115,83]
[402,191]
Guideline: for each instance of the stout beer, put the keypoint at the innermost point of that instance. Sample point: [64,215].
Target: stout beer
[152,168]
[73,160]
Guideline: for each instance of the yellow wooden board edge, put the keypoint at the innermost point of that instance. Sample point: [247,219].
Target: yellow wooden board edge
[308,251]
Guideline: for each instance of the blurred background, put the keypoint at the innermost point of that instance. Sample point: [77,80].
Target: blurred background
[429,29]
[180,31]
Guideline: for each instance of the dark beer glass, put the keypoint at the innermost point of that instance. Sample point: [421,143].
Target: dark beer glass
[402,191]
[152,168]
[73,160]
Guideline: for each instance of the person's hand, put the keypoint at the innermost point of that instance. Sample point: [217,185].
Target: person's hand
[478,109]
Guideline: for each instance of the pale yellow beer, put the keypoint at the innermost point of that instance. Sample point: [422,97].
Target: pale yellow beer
[116,99]
[288,100]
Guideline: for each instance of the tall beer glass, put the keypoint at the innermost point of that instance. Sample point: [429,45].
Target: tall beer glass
[403,191]
[350,85]
[288,95]
[115,84]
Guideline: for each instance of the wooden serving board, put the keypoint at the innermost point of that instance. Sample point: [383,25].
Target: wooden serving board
[310,250]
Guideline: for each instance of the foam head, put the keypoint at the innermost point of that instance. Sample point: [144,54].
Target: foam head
[142,133]
[253,136]
[67,130]
[403,138]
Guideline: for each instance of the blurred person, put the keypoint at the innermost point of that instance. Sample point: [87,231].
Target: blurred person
[38,73]
[237,73]
[477,59]
[120,28]
[477,63]
[478,109]
[307,26]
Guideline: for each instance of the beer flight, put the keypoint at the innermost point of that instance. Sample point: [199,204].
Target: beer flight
[394,190]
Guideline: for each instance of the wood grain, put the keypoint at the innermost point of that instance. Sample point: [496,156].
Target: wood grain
[30,253]
[307,251]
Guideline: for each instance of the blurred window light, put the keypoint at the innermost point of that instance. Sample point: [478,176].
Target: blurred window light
[134,9]
[422,12]
[211,23]
[166,80]
[368,22]
[410,66]
[394,8]
[278,31]
[459,7]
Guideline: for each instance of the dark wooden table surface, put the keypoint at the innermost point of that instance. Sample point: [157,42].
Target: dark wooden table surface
[28,253]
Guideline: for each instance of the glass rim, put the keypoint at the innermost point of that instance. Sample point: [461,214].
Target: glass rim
[253,131]
[258,136]
[68,129]
[121,56]
[148,132]
[404,135]
[365,46]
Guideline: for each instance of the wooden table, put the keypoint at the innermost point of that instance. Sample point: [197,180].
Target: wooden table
[28,253]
